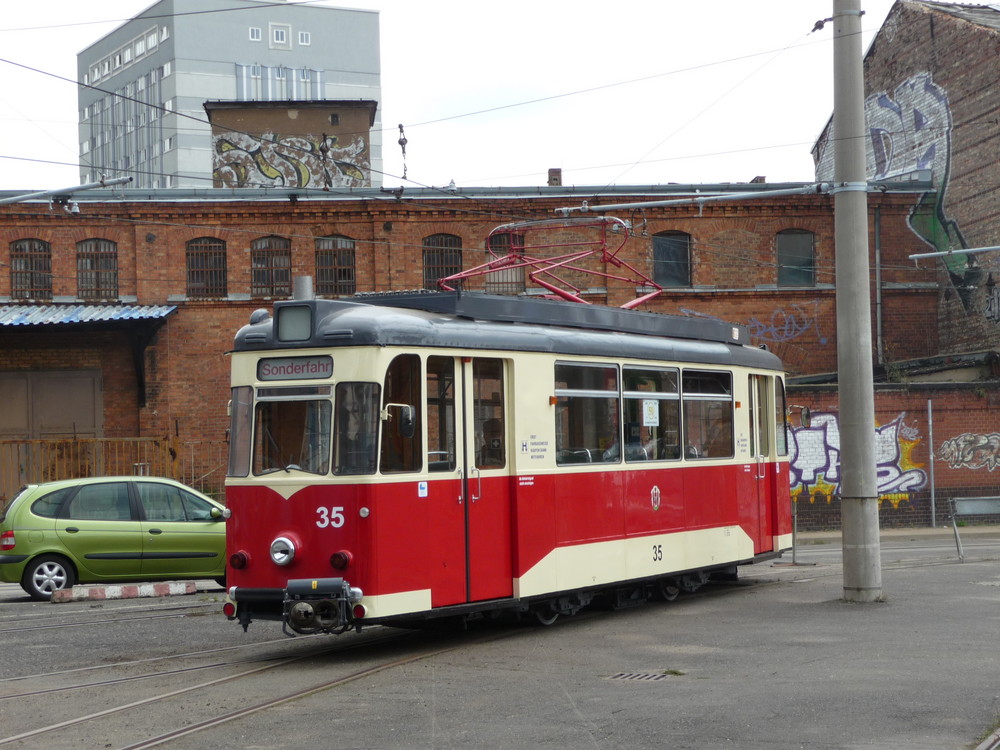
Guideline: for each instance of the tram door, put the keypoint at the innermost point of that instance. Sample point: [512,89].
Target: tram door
[469,463]
[761,447]
[486,472]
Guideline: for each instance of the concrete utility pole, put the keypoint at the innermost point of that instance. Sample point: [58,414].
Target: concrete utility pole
[858,486]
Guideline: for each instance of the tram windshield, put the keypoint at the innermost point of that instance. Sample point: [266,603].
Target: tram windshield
[292,435]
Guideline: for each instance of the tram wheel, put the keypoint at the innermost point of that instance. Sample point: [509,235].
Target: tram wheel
[545,616]
[694,581]
[669,590]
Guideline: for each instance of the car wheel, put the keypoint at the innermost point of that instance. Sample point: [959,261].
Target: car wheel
[46,574]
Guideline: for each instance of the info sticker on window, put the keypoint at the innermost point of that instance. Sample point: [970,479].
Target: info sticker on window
[650,413]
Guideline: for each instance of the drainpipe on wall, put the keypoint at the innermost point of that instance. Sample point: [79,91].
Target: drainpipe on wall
[879,351]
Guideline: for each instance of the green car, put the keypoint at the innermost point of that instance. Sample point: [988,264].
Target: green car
[110,530]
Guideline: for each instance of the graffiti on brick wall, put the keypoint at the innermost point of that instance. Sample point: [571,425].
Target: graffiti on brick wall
[815,460]
[971,451]
[910,129]
[784,324]
[270,160]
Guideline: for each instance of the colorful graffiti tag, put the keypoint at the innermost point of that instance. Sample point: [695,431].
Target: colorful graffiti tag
[815,460]
[971,451]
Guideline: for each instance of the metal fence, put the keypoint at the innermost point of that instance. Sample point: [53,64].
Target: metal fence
[201,465]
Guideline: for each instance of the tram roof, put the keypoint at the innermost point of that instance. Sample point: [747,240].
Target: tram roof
[469,320]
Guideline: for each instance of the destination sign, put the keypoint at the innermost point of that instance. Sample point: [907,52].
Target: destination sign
[295,368]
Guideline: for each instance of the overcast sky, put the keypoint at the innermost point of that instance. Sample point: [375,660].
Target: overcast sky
[632,92]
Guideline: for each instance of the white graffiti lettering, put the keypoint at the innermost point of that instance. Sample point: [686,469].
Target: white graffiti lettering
[971,451]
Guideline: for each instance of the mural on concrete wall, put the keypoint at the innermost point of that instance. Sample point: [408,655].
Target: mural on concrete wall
[971,451]
[272,160]
[815,460]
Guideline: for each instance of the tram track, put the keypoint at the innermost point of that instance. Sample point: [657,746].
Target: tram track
[294,683]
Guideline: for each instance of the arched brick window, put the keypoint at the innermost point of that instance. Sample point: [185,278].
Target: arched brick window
[30,269]
[335,272]
[672,259]
[442,257]
[271,267]
[97,269]
[796,256]
[206,268]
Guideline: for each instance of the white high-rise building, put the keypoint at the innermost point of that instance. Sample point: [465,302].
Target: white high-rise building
[146,86]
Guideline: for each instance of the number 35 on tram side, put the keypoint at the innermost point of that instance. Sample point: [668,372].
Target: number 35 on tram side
[401,457]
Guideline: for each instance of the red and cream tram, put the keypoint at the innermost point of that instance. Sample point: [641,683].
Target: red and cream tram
[399,457]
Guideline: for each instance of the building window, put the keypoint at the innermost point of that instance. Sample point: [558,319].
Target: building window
[305,38]
[97,269]
[31,269]
[206,267]
[255,35]
[505,280]
[672,259]
[335,265]
[271,267]
[442,257]
[796,253]
[281,36]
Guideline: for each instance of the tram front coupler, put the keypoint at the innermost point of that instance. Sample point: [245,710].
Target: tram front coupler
[317,605]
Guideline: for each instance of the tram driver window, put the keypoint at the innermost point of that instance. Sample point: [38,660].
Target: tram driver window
[587,418]
[400,451]
[708,414]
[356,428]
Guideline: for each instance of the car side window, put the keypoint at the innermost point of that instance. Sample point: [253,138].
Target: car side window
[161,502]
[195,508]
[164,502]
[48,505]
[100,502]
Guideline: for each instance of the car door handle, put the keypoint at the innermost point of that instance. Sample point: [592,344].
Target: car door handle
[72,529]
[156,531]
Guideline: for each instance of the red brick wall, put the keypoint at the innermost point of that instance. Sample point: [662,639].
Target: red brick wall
[963,421]
[733,262]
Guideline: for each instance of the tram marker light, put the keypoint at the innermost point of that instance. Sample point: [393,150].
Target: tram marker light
[360,610]
[341,560]
[239,560]
[229,610]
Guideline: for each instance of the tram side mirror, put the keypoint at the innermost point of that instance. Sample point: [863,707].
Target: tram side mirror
[404,416]
[805,417]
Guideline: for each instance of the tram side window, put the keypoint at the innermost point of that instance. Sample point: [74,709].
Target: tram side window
[781,423]
[587,419]
[440,414]
[241,409]
[400,451]
[292,435]
[356,428]
[708,414]
[652,414]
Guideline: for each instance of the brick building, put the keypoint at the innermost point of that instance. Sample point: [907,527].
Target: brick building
[132,300]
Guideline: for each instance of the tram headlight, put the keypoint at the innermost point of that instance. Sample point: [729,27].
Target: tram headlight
[282,550]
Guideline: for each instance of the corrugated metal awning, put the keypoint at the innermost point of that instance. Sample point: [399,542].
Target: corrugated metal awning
[137,323]
[57,315]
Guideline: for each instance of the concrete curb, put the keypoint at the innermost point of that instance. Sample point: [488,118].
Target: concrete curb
[128,591]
